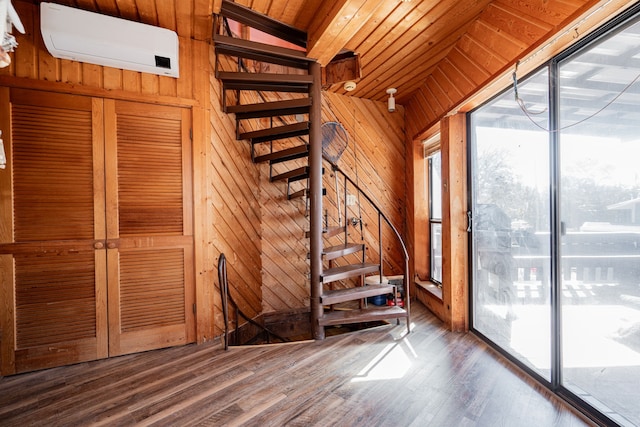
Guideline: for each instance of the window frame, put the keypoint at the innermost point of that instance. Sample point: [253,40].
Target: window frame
[434,241]
[432,148]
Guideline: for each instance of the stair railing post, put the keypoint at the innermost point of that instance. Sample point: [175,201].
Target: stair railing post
[335,176]
[407,297]
[315,193]
[380,242]
[346,209]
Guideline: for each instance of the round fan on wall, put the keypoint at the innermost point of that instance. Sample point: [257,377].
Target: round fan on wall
[334,141]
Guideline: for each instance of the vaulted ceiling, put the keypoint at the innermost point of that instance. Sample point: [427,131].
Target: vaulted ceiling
[437,51]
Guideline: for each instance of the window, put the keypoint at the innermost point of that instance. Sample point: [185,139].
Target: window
[435,215]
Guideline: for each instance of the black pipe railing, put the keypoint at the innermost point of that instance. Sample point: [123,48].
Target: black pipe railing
[347,179]
[381,216]
[226,297]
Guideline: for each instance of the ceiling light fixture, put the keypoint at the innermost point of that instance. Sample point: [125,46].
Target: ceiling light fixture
[349,86]
[391,103]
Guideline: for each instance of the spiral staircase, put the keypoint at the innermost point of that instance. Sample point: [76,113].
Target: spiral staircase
[294,123]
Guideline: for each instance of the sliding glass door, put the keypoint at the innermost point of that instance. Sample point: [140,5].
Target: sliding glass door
[510,217]
[555,207]
[599,266]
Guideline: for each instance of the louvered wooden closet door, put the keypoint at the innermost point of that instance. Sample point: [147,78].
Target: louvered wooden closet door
[149,227]
[52,229]
[96,242]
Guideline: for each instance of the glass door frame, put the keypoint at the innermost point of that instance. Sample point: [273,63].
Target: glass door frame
[556,380]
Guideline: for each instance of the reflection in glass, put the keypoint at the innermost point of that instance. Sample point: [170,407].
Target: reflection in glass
[510,235]
[435,215]
[600,213]
[436,252]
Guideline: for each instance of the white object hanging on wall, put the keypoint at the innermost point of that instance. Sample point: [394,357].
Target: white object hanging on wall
[8,19]
[84,36]
[3,157]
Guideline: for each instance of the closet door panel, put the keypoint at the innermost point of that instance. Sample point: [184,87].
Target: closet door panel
[150,241]
[57,229]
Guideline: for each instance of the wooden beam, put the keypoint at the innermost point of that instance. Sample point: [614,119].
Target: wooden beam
[336,23]
[454,221]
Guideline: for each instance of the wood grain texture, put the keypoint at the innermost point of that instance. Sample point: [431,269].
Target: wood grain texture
[374,158]
[454,222]
[375,377]
[504,32]
[61,272]
[42,72]
[235,206]
[406,45]
[34,62]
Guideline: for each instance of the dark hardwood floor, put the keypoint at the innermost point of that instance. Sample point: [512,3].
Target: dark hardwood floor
[376,377]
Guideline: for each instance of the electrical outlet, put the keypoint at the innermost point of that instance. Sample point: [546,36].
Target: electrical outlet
[351,199]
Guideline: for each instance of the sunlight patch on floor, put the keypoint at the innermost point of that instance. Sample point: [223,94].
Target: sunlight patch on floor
[391,363]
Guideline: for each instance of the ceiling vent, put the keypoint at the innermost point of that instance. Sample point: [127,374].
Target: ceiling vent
[83,36]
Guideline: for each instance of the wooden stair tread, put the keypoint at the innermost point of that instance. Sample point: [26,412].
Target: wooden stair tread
[262,52]
[297,194]
[292,175]
[270,109]
[284,155]
[304,193]
[333,231]
[275,133]
[270,87]
[265,78]
[349,270]
[333,252]
[341,317]
[265,81]
[264,23]
[351,294]
[329,231]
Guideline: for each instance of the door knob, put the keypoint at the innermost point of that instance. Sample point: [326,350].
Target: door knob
[98,245]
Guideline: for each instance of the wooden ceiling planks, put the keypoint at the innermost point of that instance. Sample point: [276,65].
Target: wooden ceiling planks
[527,29]
[411,53]
[441,48]
[505,32]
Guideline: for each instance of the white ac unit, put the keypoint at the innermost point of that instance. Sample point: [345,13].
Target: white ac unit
[83,36]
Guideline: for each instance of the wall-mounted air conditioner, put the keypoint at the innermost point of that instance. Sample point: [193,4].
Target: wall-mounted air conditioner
[83,36]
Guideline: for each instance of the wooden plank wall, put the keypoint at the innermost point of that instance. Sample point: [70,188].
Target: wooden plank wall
[376,146]
[375,158]
[32,61]
[34,68]
[235,208]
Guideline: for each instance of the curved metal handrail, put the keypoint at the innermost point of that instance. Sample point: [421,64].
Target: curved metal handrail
[382,215]
[226,298]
